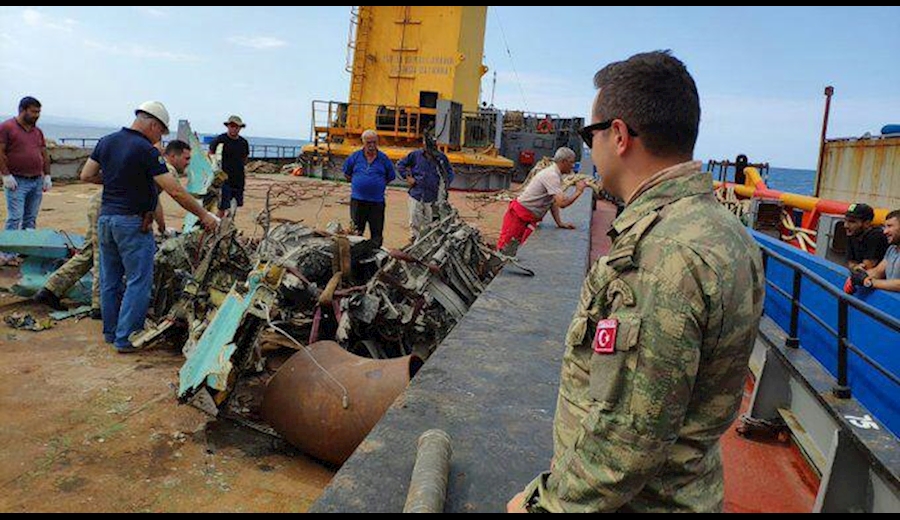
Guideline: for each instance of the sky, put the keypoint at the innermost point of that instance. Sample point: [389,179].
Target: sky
[760,71]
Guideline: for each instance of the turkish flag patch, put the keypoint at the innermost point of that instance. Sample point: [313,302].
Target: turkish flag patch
[605,337]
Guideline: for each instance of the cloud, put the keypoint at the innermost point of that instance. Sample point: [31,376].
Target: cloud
[258,42]
[155,12]
[36,19]
[140,51]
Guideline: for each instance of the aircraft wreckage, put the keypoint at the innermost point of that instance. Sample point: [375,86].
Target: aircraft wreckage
[303,333]
[327,316]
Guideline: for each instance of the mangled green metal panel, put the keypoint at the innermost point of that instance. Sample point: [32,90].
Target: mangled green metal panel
[210,360]
[200,172]
[45,250]
[35,272]
[43,243]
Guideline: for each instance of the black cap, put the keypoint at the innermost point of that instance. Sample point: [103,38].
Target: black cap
[861,211]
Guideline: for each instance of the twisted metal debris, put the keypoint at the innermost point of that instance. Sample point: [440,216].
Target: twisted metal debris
[239,306]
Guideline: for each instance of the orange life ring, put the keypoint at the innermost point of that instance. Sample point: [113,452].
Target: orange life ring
[545,126]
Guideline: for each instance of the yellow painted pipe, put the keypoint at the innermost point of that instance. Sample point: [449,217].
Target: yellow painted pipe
[803,202]
[754,178]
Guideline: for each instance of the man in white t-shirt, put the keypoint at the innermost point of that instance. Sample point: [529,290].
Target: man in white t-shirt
[544,192]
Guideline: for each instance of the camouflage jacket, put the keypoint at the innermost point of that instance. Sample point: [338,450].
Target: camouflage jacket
[638,429]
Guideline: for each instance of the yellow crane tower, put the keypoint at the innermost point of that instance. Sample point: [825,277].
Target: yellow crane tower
[414,70]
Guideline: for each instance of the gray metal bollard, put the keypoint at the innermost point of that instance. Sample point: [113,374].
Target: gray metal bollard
[428,485]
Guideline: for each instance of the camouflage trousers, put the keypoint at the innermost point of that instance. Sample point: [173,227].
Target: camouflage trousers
[86,260]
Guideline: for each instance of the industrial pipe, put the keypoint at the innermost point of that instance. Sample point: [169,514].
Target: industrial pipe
[428,485]
[754,186]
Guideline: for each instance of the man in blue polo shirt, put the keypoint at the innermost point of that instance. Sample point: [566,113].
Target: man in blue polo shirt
[132,171]
[424,171]
[369,171]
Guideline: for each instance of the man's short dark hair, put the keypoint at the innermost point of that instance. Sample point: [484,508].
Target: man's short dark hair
[654,94]
[894,214]
[176,146]
[28,102]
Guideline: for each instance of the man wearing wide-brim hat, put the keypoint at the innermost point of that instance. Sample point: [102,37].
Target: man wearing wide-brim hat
[235,154]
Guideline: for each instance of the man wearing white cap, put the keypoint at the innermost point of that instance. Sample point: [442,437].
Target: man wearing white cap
[235,154]
[132,171]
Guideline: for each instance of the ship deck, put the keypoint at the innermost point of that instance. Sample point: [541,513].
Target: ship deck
[492,386]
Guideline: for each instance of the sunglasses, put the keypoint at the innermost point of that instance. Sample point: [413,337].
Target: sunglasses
[587,133]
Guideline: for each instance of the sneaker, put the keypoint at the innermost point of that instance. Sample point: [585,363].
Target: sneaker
[95,314]
[127,350]
[49,299]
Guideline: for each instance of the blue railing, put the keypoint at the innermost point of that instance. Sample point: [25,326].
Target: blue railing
[855,338]
[843,344]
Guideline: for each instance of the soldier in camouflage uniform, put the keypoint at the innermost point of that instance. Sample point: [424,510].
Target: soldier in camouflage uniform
[656,354]
[76,267]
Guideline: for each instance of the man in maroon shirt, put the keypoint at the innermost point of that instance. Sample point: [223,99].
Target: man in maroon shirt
[24,165]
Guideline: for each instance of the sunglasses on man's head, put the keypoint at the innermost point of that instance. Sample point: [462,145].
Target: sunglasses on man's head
[587,133]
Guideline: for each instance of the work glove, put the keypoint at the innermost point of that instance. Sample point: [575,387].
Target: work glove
[9,182]
[849,288]
[48,183]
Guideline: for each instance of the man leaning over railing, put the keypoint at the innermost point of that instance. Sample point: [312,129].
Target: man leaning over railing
[885,275]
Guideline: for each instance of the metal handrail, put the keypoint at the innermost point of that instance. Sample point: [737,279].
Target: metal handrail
[844,301]
[404,121]
[274,151]
[257,151]
[82,140]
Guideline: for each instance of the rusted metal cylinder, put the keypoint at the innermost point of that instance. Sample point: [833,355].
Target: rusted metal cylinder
[428,485]
[327,409]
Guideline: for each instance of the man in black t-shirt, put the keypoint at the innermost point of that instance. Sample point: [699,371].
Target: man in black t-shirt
[866,243]
[235,154]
